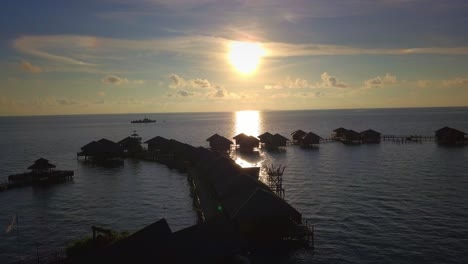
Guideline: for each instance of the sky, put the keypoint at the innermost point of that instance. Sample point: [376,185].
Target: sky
[148,56]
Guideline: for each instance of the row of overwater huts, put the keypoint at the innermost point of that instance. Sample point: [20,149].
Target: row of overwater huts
[132,146]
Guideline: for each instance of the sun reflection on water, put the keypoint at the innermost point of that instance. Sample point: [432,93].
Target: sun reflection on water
[248,122]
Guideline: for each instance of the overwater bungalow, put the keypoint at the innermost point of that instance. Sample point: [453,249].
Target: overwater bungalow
[351,137]
[219,143]
[370,136]
[102,149]
[338,133]
[157,144]
[310,140]
[41,172]
[451,136]
[279,140]
[297,136]
[247,144]
[131,145]
[266,137]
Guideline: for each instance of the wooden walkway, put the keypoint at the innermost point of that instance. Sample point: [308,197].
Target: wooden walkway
[404,139]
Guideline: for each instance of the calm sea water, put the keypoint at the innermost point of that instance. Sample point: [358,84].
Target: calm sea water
[384,203]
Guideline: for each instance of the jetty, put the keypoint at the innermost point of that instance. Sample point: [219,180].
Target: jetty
[238,215]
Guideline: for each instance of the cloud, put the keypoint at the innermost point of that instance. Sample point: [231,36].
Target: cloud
[331,81]
[114,79]
[379,81]
[289,83]
[197,86]
[456,82]
[26,66]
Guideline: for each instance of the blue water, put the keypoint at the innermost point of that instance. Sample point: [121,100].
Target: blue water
[384,203]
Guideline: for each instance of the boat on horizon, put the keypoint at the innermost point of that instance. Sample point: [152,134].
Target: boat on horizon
[145,120]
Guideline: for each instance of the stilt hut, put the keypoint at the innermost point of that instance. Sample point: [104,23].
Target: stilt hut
[297,136]
[451,136]
[131,144]
[266,137]
[339,133]
[219,143]
[157,144]
[370,136]
[41,172]
[102,149]
[247,144]
[279,141]
[351,137]
[310,140]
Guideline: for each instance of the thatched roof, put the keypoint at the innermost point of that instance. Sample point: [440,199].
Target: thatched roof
[449,130]
[298,134]
[370,133]
[213,137]
[340,130]
[311,138]
[102,147]
[41,164]
[243,139]
[265,137]
[157,140]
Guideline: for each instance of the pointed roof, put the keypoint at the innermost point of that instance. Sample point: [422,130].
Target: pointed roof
[370,132]
[213,137]
[311,136]
[157,140]
[340,130]
[222,140]
[280,137]
[298,132]
[240,136]
[446,129]
[267,136]
[41,164]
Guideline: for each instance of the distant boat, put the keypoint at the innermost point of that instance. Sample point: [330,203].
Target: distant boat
[145,120]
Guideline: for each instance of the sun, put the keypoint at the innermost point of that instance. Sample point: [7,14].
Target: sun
[245,56]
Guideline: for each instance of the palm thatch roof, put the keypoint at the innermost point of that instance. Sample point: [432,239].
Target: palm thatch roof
[41,164]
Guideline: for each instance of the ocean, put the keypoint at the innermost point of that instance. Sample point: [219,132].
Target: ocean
[379,203]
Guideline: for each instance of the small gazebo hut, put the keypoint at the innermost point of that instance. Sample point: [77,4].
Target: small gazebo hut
[41,165]
[298,135]
[370,136]
[451,136]
[247,144]
[310,140]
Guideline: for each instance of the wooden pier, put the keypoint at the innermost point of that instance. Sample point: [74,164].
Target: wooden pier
[407,139]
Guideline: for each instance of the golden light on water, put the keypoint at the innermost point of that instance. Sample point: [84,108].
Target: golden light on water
[248,122]
[245,56]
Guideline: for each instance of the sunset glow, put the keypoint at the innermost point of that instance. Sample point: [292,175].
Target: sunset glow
[245,56]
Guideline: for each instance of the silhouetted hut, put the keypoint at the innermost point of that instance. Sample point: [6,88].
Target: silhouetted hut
[247,144]
[310,139]
[370,136]
[265,216]
[219,143]
[451,136]
[157,144]
[280,140]
[298,135]
[351,137]
[131,144]
[339,133]
[101,149]
[266,137]
[41,165]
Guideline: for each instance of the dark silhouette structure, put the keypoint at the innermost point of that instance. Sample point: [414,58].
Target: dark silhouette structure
[219,143]
[339,133]
[351,137]
[131,145]
[370,136]
[157,144]
[451,136]
[310,140]
[101,150]
[41,173]
[297,136]
[247,144]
